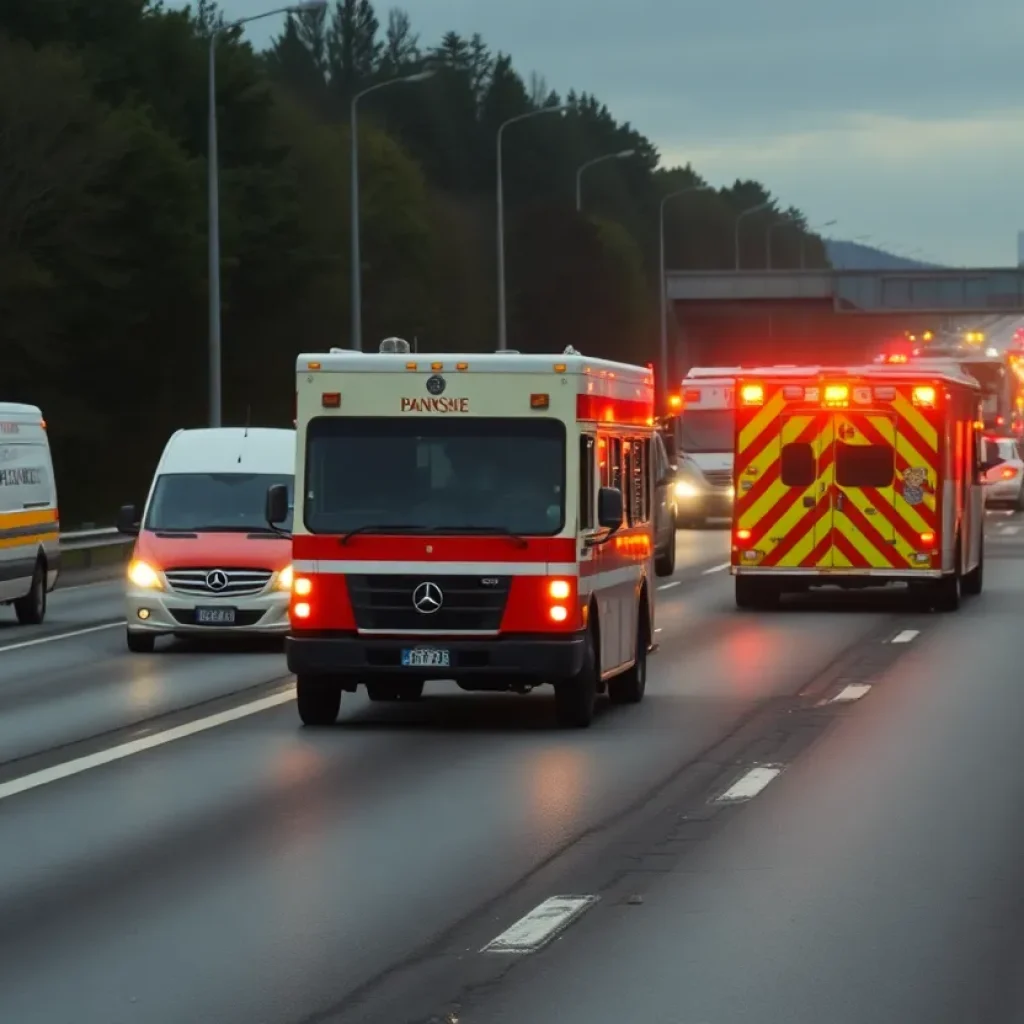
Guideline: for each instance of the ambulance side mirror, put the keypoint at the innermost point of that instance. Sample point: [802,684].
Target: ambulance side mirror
[609,508]
[277,504]
[127,521]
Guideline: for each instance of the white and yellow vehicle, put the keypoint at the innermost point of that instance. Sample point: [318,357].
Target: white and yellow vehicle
[29,519]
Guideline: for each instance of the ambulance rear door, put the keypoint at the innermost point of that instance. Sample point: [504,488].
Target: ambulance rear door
[865,521]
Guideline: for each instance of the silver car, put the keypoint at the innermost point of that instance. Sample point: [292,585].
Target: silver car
[1003,482]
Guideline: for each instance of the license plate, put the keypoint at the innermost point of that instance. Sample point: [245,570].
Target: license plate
[425,657]
[215,616]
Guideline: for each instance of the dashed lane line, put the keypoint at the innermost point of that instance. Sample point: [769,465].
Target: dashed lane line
[542,924]
[905,636]
[716,568]
[750,784]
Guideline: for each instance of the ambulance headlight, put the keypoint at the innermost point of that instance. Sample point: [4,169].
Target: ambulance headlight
[685,489]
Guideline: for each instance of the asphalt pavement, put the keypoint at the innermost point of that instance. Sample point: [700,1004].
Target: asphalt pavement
[180,850]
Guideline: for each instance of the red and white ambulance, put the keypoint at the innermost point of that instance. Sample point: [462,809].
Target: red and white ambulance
[482,518]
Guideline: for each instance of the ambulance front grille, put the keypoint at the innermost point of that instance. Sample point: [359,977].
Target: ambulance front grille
[468,603]
[718,477]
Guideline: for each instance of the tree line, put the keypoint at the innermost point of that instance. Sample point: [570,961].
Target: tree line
[103,216]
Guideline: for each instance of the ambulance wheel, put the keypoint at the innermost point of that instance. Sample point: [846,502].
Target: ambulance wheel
[665,563]
[31,609]
[140,643]
[755,594]
[576,698]
[629,688]
[972,583]
[318,699]
[406,689]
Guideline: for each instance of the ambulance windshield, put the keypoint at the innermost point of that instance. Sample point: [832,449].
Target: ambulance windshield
[435,474]
[707,430]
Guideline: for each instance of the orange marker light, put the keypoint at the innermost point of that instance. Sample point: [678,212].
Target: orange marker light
[752,394]
[923,395]
[743,535]
[331,399]
[675,402]
[927,538]
[539,401]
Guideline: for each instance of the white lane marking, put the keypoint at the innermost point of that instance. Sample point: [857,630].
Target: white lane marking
[540,925]
[658,630]
[59,636]
[669,586]
[716,568]
[905,637]
[1008,530]
[102,757]
[849,693]
[750,785]
[88,586]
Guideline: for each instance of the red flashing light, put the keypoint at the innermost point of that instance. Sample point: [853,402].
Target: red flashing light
[692,395]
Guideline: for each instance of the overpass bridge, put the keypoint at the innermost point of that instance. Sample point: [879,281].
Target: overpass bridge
[724,317]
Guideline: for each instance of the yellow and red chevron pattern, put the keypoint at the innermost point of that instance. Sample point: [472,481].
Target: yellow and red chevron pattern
[814,519]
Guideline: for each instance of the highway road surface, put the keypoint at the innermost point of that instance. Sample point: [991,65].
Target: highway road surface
[815,817]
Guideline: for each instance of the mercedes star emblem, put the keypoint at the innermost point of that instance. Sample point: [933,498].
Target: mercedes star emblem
[427,598]
[216,579]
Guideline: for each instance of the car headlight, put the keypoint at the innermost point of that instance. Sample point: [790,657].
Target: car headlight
[144,576]
[285,578]
[684,489]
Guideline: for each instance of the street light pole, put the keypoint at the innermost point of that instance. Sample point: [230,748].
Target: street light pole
[623,155]
[663,286]
[803,241]
[213,202]
[356,270]
[502,325]
[739,218]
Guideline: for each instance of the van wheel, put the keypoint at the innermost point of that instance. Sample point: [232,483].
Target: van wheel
[576,698]
[629,688]
[140,643]
[972,583]
[665,563]
[31,609]
[318,699]
[404,690]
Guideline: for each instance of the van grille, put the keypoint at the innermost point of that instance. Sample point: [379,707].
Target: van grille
[238,582]
[718,477]
[468,603]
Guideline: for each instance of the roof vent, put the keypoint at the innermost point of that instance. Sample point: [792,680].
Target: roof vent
[395,346]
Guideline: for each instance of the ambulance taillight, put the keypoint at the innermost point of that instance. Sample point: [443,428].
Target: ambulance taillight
[924,395]
[752,394]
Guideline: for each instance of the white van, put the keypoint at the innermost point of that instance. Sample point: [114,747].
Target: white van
[205,561]
[29,520]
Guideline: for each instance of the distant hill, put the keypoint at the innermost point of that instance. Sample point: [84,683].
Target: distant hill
[854,256]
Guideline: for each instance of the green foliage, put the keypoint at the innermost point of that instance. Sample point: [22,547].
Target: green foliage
[104,219]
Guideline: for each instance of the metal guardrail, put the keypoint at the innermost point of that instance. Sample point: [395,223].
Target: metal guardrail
[89,541]
[86,539]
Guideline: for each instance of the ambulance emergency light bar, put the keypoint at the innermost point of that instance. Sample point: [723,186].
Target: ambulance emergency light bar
[837,396]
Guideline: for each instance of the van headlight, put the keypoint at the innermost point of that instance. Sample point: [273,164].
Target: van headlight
[684,489]
[144,576]
[285,578]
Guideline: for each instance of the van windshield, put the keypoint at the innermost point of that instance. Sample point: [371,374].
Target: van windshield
[214,502]
[707,430]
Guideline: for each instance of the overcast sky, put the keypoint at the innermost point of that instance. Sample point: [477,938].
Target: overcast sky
[901,119]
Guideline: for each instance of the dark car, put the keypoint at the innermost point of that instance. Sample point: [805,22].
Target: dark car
[665,510]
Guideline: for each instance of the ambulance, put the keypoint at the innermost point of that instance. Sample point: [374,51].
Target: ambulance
[483,518]
[859,477]
[706,426]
